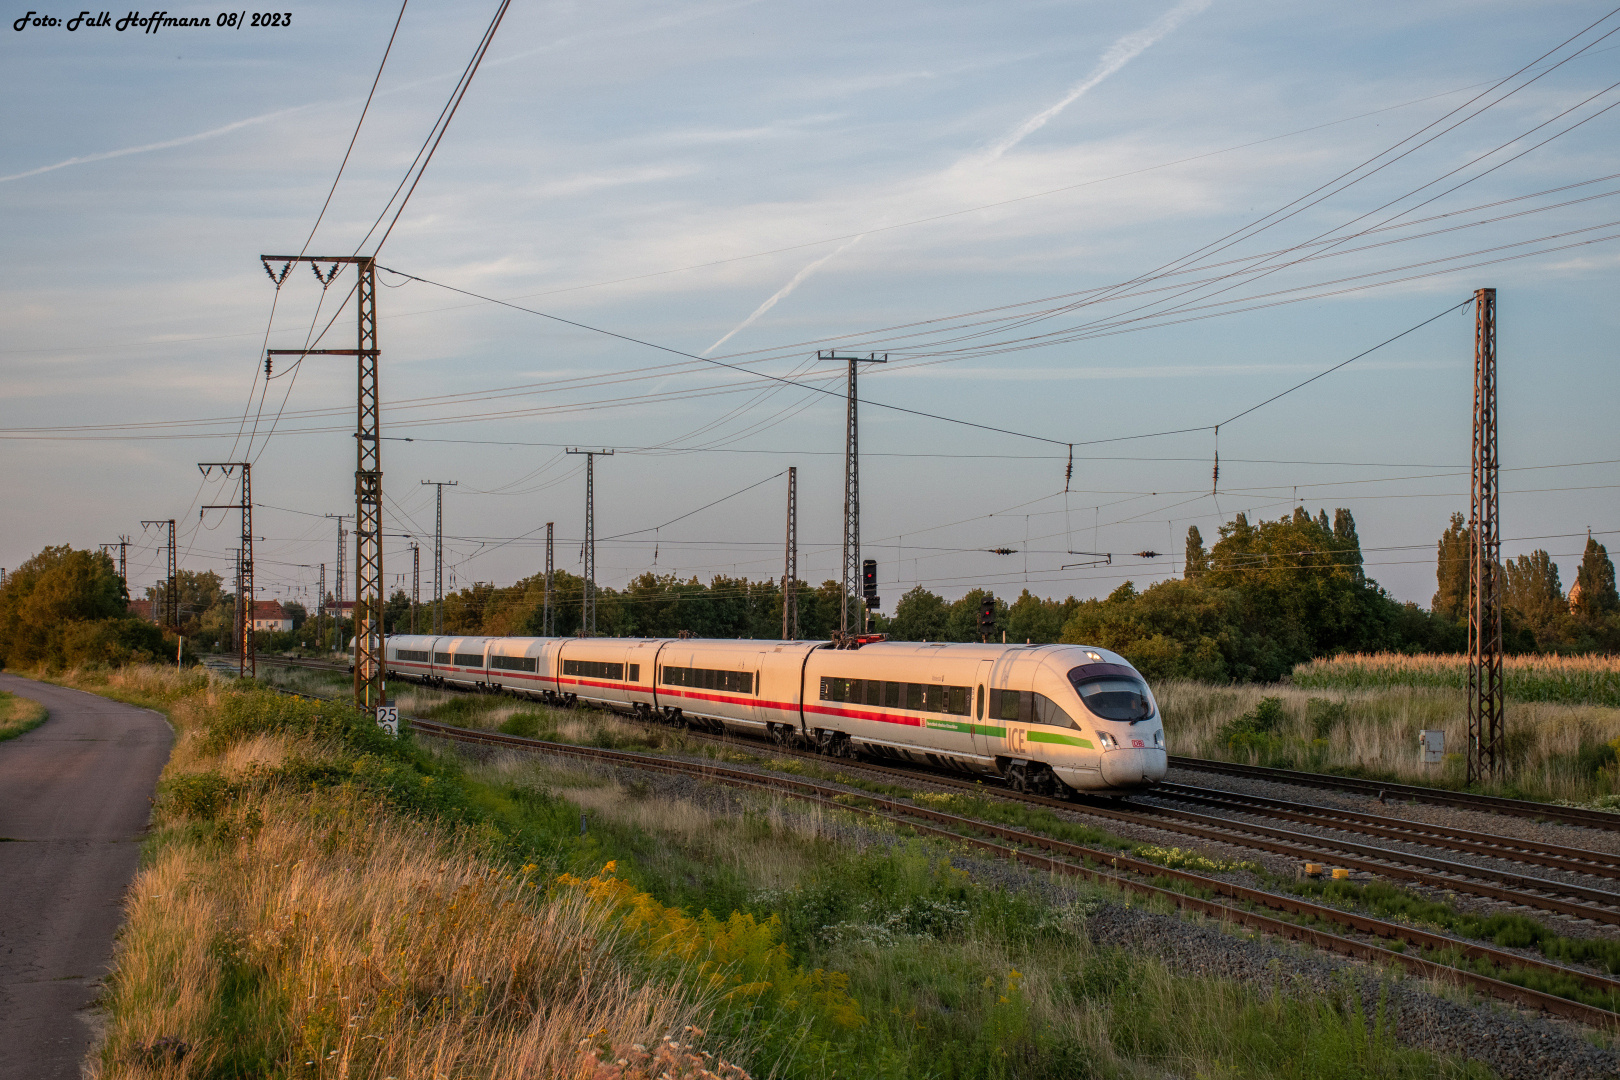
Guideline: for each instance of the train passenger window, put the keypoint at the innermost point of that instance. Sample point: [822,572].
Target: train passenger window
[594,669]
[914,696]
[957,701]
[512,663]
[468,660]
[981,703]
[441,658]
[1048,712]
[856,691]
[891,695]
[933,698]
[874,692]
[635,672]
[1004,704]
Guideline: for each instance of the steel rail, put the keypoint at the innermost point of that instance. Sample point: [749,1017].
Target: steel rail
[1093,869]
[1573,860]
[1568,815]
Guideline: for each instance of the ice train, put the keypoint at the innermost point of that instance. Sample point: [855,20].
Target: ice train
[1050,719]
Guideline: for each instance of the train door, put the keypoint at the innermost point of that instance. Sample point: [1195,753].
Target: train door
[984,743]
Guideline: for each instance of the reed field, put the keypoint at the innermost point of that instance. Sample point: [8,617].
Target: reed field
[319,900]
[1557,752]
[1567,680]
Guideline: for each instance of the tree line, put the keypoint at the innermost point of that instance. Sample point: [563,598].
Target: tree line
[1265,596]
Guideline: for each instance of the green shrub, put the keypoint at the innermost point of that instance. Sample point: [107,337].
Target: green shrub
[525,725]
[200,796]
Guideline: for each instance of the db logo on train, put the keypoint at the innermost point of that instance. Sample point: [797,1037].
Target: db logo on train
[388,719]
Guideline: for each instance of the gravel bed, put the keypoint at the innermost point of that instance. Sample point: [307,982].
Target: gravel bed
[1513,1043]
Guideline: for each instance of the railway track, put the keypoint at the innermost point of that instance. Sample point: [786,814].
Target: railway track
[1492,804]
[1130,874]
[1571,860]
[1577,901]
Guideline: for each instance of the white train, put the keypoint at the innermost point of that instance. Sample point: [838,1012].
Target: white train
[1048,718]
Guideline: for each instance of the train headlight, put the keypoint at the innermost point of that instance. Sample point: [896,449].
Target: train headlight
[1107,740]
[1158,738]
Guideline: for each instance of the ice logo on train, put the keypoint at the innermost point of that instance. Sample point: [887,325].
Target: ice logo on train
[1050,719]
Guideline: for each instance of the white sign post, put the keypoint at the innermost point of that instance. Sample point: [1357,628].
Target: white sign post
[388,719]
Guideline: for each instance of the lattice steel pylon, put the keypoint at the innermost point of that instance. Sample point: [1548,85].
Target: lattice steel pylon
[790,564]
[247,662]
[416,581]
[1485,734]
[337,572]
[587,614]
[171,588]
[370,687]
[320,611]
[438,550]
[849,584]
[548,616]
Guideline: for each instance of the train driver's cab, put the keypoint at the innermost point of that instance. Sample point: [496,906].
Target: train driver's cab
[1118,696]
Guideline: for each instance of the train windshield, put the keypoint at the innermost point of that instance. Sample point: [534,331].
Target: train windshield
[1116,697]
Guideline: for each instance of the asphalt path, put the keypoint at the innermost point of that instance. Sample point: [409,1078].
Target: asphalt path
[74,801]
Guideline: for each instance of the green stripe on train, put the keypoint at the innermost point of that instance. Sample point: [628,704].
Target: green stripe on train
[1065,740]
[962,728]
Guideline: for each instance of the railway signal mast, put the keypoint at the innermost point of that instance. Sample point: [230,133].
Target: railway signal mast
[849,586]
[246,660]
[1485,757]
[790,569]
[369,673]
[438,551]
[171,589]
[587,615]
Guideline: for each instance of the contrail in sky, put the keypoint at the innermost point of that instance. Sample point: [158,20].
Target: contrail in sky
[784,290]
[1119,54]
[166,144]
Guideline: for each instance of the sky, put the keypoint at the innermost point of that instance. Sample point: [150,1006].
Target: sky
[1065,224]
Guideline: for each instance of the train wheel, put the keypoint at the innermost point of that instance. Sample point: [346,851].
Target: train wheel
[1018,779]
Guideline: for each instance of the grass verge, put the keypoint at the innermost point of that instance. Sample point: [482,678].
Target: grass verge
[19,715]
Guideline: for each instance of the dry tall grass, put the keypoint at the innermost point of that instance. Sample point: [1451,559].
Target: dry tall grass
[370,947]
[1555,751]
